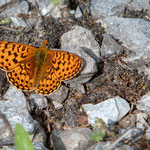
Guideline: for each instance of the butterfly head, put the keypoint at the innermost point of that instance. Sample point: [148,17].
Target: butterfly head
[44,43]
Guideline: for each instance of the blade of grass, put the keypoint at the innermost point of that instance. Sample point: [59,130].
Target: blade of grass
[22,139]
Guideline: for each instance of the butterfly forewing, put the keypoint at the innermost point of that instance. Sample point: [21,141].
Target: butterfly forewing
[12,54]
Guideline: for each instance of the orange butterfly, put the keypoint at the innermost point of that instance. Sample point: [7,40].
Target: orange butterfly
[29,68]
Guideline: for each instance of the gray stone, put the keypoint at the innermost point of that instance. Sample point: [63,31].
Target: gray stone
[39,146]
[134,36]
[21,8]
[141,123]
[39,100]
[104,145]
[75,139]
[83,38]
[78,13]
[105,8]
[79,87]
[56,12]
[131,135]
[57,105]
[72,12]
[60,95]
[138,5]
[110,47]
[39,135]
[16,102]
[147,134]
[15,111]
[14,108]
[146,70]
[110,111]
[4,2]
[80,41]
[144,104]
[18,22]
[33,2]
[34,22]
[44,7]
[6,133]
[8,148]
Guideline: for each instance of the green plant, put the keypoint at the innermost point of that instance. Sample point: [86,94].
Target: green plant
[22,139]
[98,135]
[56,2]
[102,130]
[5,21]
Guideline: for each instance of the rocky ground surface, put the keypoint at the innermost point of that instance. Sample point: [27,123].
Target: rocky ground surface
[107,106]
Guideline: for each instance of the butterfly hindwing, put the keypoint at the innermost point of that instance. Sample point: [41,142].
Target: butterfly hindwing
[65,64]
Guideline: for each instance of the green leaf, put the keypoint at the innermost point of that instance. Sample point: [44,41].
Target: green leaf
[98,135]
[5,21]
[22,139]
[56,2]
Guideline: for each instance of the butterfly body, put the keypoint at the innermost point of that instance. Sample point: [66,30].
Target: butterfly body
[29,68]
[40,64]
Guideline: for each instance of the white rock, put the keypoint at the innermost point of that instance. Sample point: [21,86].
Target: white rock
[78,13]
[18,22]
[110,111]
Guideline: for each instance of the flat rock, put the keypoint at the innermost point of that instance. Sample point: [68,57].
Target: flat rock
[103,8]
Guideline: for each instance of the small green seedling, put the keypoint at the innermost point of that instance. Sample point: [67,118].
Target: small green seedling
[56,2]
[5,21]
